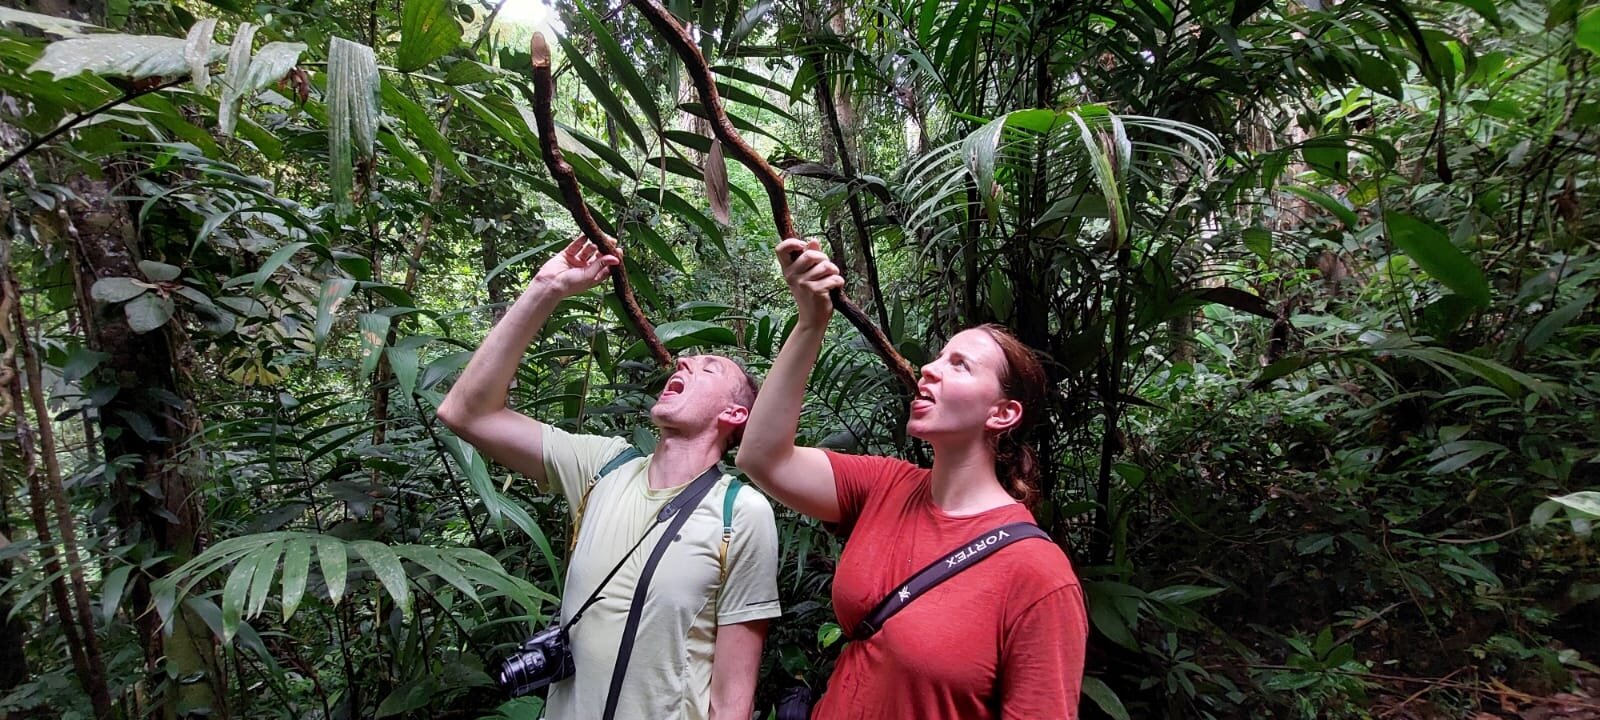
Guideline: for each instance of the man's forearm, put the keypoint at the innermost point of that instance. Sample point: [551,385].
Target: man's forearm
[485,382]
[735,663]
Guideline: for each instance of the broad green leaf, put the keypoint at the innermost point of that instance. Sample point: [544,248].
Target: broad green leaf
[1588,33]
[1586,503]
[333,293]
[409,696]
[623,65]
[1105,618]
[829,634]
[428,30]
[159,271]
[1460,454]
[273,262]
[734,93]
[148,312]
[374,332]
[422,130]
[600,87]
[468,72]
[404,362]
[1259,241]
[978,153]
[266,562]
[410,159]
[1106,174]
[115,583]
[296,565]
[1183,594]
[437,563]
[352,99]
[234,594]
[1104,697]
[247,75]
[1329,156]
[65,27]
[1431,249]
[233,78]
[681,334]
[334,559]
[131,56]
[1345,214]
[1549,325]
[675,204]
[1278,369]
[197,52]
[387,567]
[656,244]
[115,289]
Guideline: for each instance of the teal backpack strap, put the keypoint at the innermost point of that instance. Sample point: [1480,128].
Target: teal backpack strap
[628,453]
[734,486]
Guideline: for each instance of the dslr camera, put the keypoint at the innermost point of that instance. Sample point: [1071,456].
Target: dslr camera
[542,659]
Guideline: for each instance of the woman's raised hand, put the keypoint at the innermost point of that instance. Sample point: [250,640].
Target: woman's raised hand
[811,276]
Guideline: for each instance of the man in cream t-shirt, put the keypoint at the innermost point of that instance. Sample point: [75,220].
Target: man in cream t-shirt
[697,647]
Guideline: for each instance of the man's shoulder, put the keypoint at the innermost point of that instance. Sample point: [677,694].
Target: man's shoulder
[751,505]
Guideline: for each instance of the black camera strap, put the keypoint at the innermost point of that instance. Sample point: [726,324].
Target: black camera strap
[677,510]
[948,566]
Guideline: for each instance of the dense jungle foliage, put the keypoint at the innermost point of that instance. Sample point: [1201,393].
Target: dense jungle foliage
[1316,282]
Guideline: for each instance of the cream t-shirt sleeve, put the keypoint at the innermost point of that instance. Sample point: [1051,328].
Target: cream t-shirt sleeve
[751,590]
[570,461]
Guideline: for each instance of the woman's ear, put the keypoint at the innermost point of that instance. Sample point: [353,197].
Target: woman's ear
[1005,415]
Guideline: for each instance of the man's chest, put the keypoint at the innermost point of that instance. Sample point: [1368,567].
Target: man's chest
[620,535]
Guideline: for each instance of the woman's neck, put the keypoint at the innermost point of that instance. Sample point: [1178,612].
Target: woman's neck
[964,481]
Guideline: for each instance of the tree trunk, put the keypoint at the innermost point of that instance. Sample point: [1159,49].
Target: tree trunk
[13,658]
[44,492]
[153,497]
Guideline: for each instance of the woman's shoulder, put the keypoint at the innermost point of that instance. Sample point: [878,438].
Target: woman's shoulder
[878,468]
[1039,567]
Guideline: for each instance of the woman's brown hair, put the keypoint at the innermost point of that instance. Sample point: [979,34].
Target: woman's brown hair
[1023,380]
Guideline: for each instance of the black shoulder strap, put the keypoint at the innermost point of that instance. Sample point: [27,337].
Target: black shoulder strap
[975,551]
[678,509]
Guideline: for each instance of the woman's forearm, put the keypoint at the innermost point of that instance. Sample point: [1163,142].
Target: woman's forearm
[775,420]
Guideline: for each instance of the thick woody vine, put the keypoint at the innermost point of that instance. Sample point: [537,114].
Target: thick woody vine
[544,90]
[682,44]
[734,144]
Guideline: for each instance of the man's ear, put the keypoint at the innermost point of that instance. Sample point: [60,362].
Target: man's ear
[1004,416]
[734,417]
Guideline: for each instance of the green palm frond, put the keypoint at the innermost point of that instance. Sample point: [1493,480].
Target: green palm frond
[1091,162]
[256,560]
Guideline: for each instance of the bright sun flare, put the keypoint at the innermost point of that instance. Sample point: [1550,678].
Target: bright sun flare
[531,14]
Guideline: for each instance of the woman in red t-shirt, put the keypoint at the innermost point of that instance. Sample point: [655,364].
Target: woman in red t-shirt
[1005,637]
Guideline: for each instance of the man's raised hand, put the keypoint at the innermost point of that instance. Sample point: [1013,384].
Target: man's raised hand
[577,268]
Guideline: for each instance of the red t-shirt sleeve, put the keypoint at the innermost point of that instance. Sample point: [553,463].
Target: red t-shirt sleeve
[1043,658]
[856,478]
